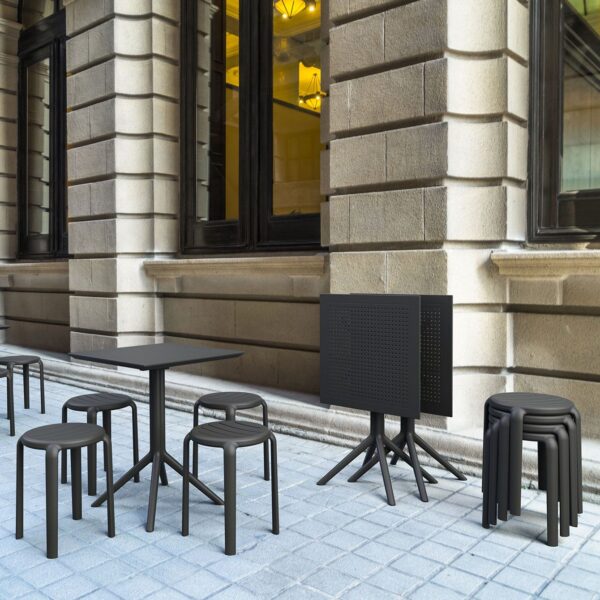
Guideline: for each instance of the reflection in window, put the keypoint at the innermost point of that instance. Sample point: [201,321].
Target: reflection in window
[581,97]
[38,148]
[296,108]
[34,11]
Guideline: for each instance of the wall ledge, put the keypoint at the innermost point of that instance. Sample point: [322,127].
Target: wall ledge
[302,265]
[34,268]
[535,264]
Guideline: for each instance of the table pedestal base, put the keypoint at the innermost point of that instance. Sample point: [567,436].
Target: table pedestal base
[377,445]
[158,455]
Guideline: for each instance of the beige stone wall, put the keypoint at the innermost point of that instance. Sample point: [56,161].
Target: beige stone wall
[122,134]
[427,165]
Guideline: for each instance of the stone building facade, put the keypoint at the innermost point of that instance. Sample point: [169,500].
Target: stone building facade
[424,166]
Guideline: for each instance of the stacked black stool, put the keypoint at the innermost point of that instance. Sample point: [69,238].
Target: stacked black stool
[53,439]
[24,361]
[92,404]
[231,402]
[229,435]
[555,425]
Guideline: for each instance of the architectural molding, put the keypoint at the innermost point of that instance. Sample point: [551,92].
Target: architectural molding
[34,268]
[547,263]
[311,265]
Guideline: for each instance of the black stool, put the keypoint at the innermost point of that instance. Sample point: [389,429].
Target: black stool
[231,402]
[24,361]
[92,404]
[54,439]
[10,404]
[229,435]
[555,424]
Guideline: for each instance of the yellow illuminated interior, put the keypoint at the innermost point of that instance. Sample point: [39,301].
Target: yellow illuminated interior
[288,9]
[296,109]
[589,10]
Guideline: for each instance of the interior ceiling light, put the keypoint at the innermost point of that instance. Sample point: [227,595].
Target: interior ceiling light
[311,5]
[290,8]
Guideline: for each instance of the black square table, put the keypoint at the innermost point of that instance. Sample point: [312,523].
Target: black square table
[157,358]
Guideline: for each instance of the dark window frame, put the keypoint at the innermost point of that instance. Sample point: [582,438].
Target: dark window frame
[45,39]
[257,229]
[549,208]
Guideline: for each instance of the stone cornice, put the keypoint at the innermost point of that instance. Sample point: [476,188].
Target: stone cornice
[547,263]
[9,27]
[312,265]
[34,268]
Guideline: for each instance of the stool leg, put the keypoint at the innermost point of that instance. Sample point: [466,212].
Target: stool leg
[563,480]
[75,481]
[516,460]
[26,386]
[185,502]
[230,501]
[266,444]
[541,466]
[274,486]
[577,417]
[20,492]
[110,504]
[486,425]
[10,399]
[163,474]
[195,458]
[52,502]
[485,513]
[136,447]
[552,493]
[493,476]
[107,424]
[503,453]
[91,454]
[42,393]
[63,458]
[573,466]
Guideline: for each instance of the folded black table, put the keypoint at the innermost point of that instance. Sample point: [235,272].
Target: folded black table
[157,358]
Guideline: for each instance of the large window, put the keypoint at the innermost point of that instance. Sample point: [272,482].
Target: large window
[41,143]
[251,109]
[565,120]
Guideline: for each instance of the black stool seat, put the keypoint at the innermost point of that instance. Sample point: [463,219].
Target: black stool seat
[20,360]
[100,401]
[533,404]
[225,400]
[63,435]
[222,433]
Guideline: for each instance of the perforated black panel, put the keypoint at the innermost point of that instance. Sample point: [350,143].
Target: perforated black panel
[370,353]
[436,355]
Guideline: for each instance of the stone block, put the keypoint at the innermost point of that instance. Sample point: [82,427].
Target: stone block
[386,217]
[358,161]
[480,339]
[200,317]
[416,272]
[417,153]
[356,46]
[526,291]
[338,220]
[278,323]
[37,306]
[358,272]
[43,336]
[414,30]
[109,275]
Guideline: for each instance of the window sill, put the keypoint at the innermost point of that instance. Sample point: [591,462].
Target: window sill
[273,277]
[536,264]
[34,268]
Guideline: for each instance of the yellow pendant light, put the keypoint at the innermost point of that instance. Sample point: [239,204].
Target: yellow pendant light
[289,8]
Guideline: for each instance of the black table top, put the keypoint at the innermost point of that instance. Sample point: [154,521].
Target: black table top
[156,356]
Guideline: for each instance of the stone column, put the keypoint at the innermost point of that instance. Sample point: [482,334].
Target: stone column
[123,128]
[428,162]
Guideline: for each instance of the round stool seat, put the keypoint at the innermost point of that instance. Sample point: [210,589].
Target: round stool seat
[20,360]
[531,403]
[100,401]
[64,435]
[236,400]
[221,433]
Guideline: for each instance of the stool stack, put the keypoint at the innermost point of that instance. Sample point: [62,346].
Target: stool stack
[555,425]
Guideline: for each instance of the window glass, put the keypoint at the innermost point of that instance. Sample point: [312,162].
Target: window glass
[581,96]
[297,96]
[34,11]
[38,148]
[218,114]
